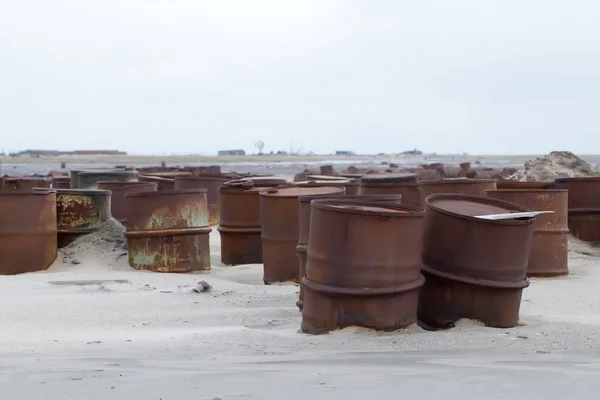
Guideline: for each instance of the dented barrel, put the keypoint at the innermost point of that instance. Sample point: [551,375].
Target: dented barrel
[363,266]
[474,268]
[279,213]
[27,239]
[548,255]
[304,226]
[167,231]
[240,226]
[80,212]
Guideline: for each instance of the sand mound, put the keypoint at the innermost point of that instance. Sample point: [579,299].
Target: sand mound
[109,239]
[581,247]
[557,164]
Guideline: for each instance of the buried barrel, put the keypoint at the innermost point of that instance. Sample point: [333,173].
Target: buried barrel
[80,212]
[167,231]
[119,190]
[27,231]
[304,226]
[210,182]
[549,245]
[474,268]
[240,226]
[279,209]
[404,184]
[26,183]
[457,186]
[363,265]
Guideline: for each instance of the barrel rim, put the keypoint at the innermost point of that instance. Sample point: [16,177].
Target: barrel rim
[527,190]
[204,178]
[478,199]
[274,192]
[325,205]
[155,178]
[198,230]
[167,192]
[365,197]
[23,192]
[580,211]
[83,192]
[389,178]
[578,179]
[456,181]
[28,178]
[108,172]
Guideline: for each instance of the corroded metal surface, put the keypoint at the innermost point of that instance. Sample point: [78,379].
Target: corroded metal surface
[23,183]
[511,184]
[210,182]
[474,268]
[167,231]
[584,224]
[352,186]
[61,182]
[279,209]
[548,255]
[162,182]
[403,184]
[584,193]
[27,239]
[363,265]
[80,212]
[119,190]
[240,226]
[475,187]
[88,179]
[304,226]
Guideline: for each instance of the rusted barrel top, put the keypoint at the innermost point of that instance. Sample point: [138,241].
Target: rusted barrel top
[404,184]
[310,177]
[548,254]
[477,251]
[458,186]
[27,239]
[583,192]
[61,182]
[169,209]
[163,183]
[26,183]
[511,184]
[89,179]
[119,190]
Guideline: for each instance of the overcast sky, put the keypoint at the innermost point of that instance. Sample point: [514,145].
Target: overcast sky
[196,76]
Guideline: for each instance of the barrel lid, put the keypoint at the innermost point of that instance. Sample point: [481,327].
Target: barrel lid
[26,178]
[368,208]
[338,182]
[458,181]
[469,206]
[106,172]
[390,177]
[167,192]
[297,191]
[325,178]
[168,174]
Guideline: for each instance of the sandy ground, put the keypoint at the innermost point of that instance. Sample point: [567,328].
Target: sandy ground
[150,336]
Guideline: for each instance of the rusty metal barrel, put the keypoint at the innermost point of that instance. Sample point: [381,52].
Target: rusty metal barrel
[61,182]
[548,255]
[89,179]
[475,187]
[584,206]
[27,231]
[363,265]
[119,190]
[80,212]
[240,225]
[474,268]
[210,182]
[512,184]
[404,184]
[304,225]
[167,231]
[162,183]
[279,214]
[351,186]
[26,183]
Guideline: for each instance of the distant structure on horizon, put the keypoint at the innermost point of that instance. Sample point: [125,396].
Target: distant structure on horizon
[344,153]
[57,153]
[237,152]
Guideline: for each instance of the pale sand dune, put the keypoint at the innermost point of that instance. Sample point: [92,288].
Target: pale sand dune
[152,337]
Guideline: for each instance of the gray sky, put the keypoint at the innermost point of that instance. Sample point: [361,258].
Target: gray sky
[181,76]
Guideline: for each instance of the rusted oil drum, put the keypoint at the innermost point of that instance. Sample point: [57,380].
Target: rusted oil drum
[162,183]
[474,268]
[486,173]
[584,224]
[548,254]
[403,184]
[352,186]
[88,179]
[584,193]
[167,231]
[304,226]
[240,226]
[475,187]
[363,266]
[210,182]
[61,182]
[119,190]
[27,238]
[512,184]
[23,183]
[80,212]
[279,214]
